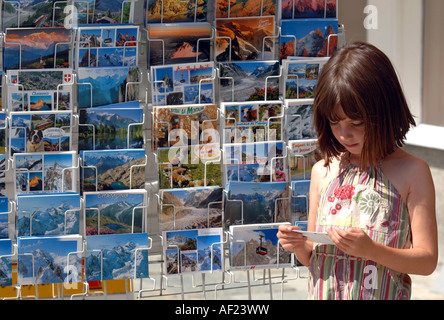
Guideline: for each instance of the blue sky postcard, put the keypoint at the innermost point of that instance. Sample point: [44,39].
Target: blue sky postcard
[159,11]
[46,259]
[117,256]
[40,90]
[36,48]
[47,214]
[191,83]
[191,251]
[5,262]
[298,9]
[4,222]
[104,12]
[44,131]
[117,169]
[110,128]
[107,85]
[114,212]
[257,246]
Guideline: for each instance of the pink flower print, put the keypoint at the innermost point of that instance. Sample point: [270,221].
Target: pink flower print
[345,192]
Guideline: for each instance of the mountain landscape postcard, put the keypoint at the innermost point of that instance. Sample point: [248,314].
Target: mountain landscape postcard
[167,11]
[191,83]
[303,154]
[47,214]
[45,131]
[118,169]
[36,48]
[299,119]
[175,43]
[249,80]
[115,212]
[257,246]
[45,172]
[184,125]
[190,208]
[190,251]
[117,256]
[5,262]
[245,38]
[245,8]
[300,190]
[253,202]
[308,37]
[252,121]
[296,9]
[110,128]
[48,259]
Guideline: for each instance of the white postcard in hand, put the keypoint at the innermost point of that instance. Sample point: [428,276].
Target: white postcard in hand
[319,237]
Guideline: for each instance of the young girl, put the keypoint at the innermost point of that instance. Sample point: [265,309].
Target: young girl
[375,201]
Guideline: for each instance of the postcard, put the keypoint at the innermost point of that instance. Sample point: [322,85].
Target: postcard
[189,166]
[159,11]
[49,259]
[110,128]
[109,12]
[257,246]
[184,125]
[189,251]
[175,43]
[296,9]
[4,213]
[3,150]
[107,46]
[299,119]
[308,37]
[255,162]
[5,262]
[303,154]
[1,86]
[301,77]
[36,48]
[44,131]
[40,90]
[252,121]
[45,172]
[47,214]
[249,81]
[3,168]
[245,38]
[190,208]
[118,169]
[245,8]
[191,83]
[117,256]
[300,190]
[115,212]
[253,202]
[107,85]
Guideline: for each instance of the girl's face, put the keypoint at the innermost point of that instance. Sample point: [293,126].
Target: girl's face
[350,133]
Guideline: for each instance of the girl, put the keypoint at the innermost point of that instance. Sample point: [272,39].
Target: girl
[375,201]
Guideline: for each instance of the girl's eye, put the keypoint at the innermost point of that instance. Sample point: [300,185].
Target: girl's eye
[357,124]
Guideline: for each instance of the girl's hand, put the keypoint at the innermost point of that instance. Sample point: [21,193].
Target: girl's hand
[289,240]
[353,241]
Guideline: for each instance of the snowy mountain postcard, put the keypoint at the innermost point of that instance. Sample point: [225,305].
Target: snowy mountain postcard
[107,46]
[5,262]
[104,11]
[296,9]
[191,83]
[117,256]
[110,128]
[113,169]
[257,246]
[249,81]
[175,43]
[299,199]
[40,90]
[48,259]
[36,48]
[245,8]
[308,37]
[114,212]
[107,85]
[45,172]
[189,166]
[167,11]
[184,125]
[4,225]
[191,251]
[299,119]
[252,121]
[49,214]
[255,162]
[303,154]
[252,202]
[44,131]
[190,208]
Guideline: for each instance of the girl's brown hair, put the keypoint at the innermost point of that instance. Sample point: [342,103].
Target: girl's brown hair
[361,80]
